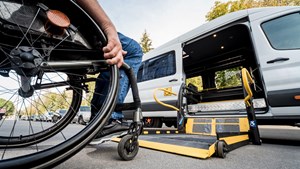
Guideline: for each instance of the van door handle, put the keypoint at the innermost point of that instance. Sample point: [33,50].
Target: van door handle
[173,80]
[277,60]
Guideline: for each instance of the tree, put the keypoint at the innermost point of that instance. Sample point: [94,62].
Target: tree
[8,106]
[146,42]
[196,81]
[220,8]
[228,78]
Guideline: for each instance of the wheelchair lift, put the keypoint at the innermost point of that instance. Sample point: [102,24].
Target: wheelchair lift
[203,137]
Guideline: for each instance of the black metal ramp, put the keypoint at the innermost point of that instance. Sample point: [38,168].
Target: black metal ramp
[198,146]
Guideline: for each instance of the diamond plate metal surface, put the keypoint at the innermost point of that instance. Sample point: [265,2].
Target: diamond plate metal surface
[225,105]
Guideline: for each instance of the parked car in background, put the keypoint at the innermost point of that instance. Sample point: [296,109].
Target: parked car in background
[83,115]
[48,116]
[58,115]
[39,117]
[24,117]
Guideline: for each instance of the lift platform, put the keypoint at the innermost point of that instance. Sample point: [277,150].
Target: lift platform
[203,137]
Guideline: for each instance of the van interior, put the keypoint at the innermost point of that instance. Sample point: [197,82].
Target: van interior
[213,63]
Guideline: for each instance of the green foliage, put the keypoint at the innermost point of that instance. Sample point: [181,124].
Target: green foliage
[220,8]
[197,81]
[48,102]
[8,106]
[54,101]
[146,42]
[228,78]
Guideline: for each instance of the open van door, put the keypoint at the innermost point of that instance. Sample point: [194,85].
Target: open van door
[277,43]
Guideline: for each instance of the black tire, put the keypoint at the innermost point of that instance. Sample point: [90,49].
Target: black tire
[54,119]
[46,54]
[169,124]
[221,149]
[127,149]
[152,122]
[80,120]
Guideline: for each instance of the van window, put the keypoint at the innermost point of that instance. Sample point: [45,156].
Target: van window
[283,32]
[160,66]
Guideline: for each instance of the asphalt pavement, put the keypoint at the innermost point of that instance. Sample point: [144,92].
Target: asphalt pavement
[280,150]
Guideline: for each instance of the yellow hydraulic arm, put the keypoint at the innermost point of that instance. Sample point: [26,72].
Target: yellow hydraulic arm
[246,77]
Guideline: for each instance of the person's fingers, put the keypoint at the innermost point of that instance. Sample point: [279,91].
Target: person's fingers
[108,48]
[124,52]
[121,61]
[118,60]
[112,53]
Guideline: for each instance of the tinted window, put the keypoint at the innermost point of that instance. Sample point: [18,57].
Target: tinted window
[283,32]
[161,66]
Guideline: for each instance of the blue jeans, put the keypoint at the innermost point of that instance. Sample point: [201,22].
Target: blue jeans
[133,58]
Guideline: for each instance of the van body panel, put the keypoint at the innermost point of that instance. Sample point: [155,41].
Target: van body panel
[281,78]
[146,88]
[278,78]
[174,81]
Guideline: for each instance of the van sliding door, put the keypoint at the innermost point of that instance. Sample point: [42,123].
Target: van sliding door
[162,69]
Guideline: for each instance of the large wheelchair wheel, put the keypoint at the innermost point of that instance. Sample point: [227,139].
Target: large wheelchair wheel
[47,55]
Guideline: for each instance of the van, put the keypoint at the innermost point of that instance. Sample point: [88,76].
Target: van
[83,116]
[209,58]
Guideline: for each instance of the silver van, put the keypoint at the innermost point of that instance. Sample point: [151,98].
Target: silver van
[265,41]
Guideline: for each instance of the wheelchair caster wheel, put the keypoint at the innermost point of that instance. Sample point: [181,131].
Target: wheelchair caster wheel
[221,149]
[127,148]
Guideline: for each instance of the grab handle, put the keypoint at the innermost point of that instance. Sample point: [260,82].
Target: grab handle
[161,103]
[246,79]
[278,60]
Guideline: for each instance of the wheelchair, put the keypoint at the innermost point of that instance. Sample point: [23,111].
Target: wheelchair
[50,52]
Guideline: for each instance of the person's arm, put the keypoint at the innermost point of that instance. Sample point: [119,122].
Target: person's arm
[113,51]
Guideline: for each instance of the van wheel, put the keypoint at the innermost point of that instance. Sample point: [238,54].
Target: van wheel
[169,124]
[152,122]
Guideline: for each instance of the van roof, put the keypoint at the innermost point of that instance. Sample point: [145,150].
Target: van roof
[224,20]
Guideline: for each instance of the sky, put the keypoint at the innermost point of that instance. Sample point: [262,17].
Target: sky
[163,20]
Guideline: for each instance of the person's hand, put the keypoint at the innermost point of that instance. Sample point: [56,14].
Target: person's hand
[113,52]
